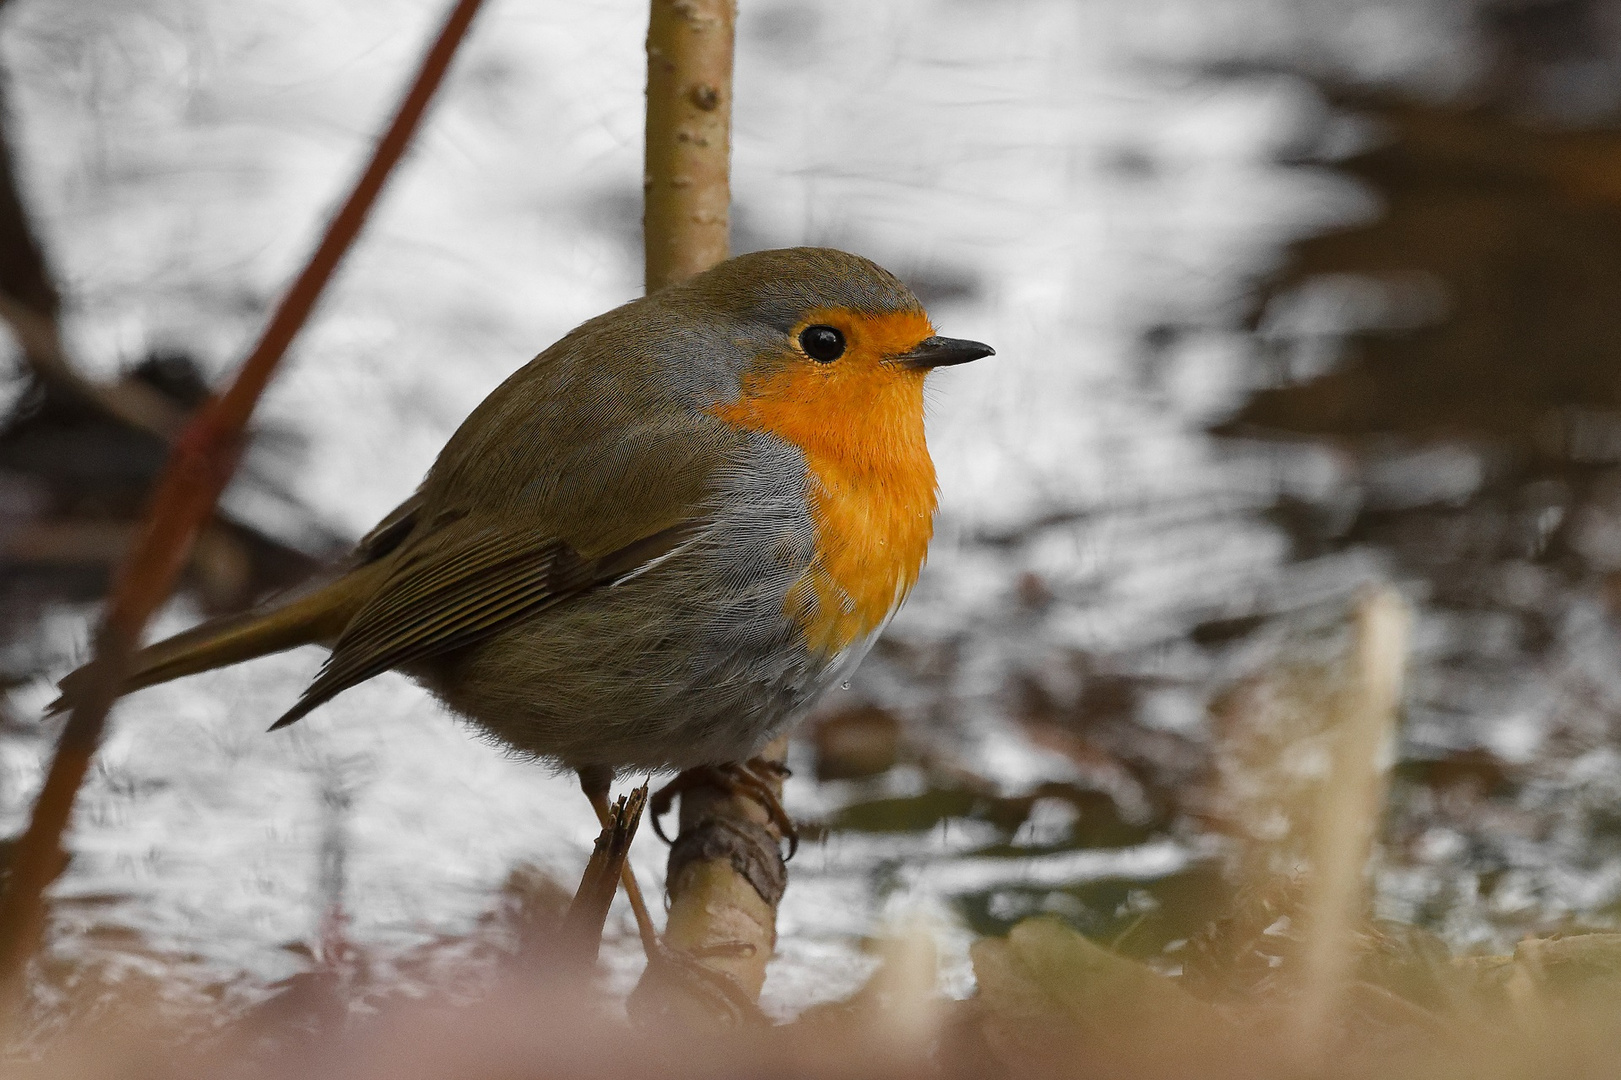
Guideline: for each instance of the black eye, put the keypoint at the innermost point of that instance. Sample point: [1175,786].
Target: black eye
[822,343]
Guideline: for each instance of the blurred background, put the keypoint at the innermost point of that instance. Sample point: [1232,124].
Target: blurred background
[1289,297]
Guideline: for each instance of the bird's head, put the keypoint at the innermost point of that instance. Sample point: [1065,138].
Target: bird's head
[833,349]
[829,352]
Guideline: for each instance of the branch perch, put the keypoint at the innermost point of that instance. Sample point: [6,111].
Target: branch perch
[726,879]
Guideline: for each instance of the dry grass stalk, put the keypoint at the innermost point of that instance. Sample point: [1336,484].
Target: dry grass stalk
[686,178]
[588,913]
[900,1005]
[1349,807]
[199,467]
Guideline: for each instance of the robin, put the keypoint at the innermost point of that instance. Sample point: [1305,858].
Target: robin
[656,543]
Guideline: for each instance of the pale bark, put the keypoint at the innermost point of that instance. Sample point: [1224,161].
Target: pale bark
[726,878]
[689,121]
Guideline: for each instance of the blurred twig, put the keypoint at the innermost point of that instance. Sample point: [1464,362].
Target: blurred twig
[1347,816]
[123,427]
[689,122]
[39,336]
[203,458]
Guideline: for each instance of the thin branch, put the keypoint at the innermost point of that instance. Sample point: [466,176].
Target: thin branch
[726,871]
[201,462]
[689,137]
[40,338]
[30,304]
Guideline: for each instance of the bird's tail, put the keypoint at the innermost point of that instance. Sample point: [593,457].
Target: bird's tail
[315,617]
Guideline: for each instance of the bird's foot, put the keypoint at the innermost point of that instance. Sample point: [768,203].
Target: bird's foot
[754,779]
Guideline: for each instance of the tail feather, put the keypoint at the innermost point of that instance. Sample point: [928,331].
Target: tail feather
[316,617]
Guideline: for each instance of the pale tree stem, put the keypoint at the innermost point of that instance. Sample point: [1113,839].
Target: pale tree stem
[689,137]
[726,871]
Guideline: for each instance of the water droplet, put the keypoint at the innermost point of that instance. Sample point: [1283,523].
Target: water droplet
[845,685]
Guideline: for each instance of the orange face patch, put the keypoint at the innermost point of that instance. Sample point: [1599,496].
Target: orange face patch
[859,421]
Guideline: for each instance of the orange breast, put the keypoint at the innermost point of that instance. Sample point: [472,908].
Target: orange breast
[859,422]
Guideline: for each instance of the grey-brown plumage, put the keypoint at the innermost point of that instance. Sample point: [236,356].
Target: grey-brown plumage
[597,569]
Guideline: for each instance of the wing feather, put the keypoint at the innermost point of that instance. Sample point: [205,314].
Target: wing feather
[465,588]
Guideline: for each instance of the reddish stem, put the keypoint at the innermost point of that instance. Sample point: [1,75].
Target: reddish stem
[200,464]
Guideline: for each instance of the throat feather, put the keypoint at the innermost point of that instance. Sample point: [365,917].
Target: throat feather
[870,489]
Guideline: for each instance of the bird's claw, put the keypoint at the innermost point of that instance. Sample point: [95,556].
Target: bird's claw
[751,778]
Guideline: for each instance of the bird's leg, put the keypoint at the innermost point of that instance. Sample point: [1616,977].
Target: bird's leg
[595,781]
[750,778]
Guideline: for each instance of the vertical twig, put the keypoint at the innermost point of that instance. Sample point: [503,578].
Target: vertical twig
[689,130]
[1349,808]
[25,279]
[199,466]
[726,873]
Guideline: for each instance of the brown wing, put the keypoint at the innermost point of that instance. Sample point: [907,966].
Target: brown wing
[391,532]
[461,591]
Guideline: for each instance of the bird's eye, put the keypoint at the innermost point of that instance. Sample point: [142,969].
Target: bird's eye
[822,343]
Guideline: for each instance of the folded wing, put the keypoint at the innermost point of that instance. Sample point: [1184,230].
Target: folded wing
[462,586]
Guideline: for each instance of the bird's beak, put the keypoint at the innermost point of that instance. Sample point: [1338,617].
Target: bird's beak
[933,352]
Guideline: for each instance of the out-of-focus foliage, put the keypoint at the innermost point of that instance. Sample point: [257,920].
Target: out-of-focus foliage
[1052,1003]
[1049,997]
